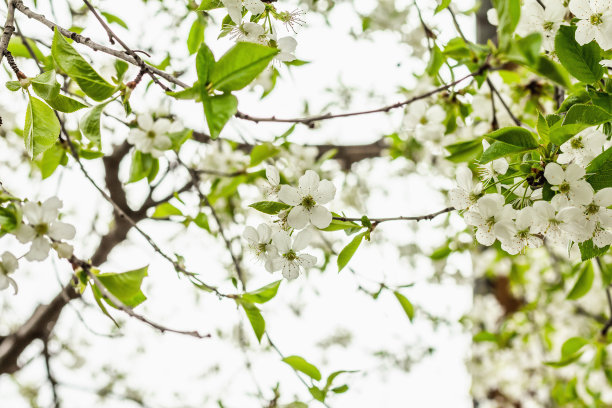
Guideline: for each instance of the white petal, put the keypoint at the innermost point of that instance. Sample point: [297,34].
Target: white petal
[291,270]
[307,261]
[580,8]
[33,212]
[309,183]
[60,230]
[282,241]
[265,233]
[298,217]
[302,239]
[251,235]
[585,32]
[9,262]
[464,178]
[234,9]
[287,44]
[145,122]
[581,192]
[325,193]
[554,174]
[289,195]
[39,249]
[320,217]
[574,172]
[255,6]
[25,233]
[273,175]
[63,249]
[603,198]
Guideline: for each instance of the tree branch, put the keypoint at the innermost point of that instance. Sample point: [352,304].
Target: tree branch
[8,29]
[416,218]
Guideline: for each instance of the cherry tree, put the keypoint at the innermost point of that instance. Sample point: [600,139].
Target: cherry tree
[166,171]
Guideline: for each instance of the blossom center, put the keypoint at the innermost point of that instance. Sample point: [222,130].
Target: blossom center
[576,143]
[41,229]
[151,134]
[592,209]
[564,187]
[261,248]
[308,202]
[291,255]
[596,19]
[548,25]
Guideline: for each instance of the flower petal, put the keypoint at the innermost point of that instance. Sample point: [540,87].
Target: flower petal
[289,195]
[298,217]
[60,230]
[325,193]
[554,174]
[302,239]
[320,217]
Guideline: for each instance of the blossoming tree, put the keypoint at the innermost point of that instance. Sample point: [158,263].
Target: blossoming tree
[522,122]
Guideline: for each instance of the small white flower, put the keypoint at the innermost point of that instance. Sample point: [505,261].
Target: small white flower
[290,260]
[553,219]
[599,217]
[287,46]
[306,199]
[466,194]
[8,265]
[260,242]
[250,32]
[524,233]
[43,227]
[583,147]
[426,121]
[595,21]
[569,182]
[151,136]
[234,9]
[488,171]
[545,21]
[492,219]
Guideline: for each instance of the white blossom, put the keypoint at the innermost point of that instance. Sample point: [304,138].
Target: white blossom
[290,260]
[43,228]
[306,199]
[524,234]
[8,265]
[151,136]
[286,46]
[488,171]
[569,182]
[260,242]
[595,21]
[466,193]
[546,21]
[583,147]
[492,219]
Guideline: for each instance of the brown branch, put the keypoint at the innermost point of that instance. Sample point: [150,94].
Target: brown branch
[415,218]
[310,121]
[52,381]
[94,46]
[8,29]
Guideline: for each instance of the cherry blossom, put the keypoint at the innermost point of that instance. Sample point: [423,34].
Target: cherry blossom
[569,182]
[466,193]
[290,260]
[260,242]
[306,199]
[595,21]
[8,265]
[151,136]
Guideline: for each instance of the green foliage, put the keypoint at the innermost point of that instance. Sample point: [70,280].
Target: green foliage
[218,109]
[240,66]
[125,286]
[406,305]
[78,69]
[582,61]
[143,166]
[263,294]
[583,282]
[269,207]
[90,124]
[348,251]
[299,364]
[255,318]
[41,129]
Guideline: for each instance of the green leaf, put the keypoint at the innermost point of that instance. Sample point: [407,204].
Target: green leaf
[51,159]
[121,68]
[263,294]
[13,85]
[501,149]
[509,13]
[515,136]
[543,128]
[210,5]
[465,151]
[340,389]
[599,161]
[143,165]
[90,124]
[586,115]
[572,346]
[42,128]
[240,66]
[18,48]
[443,4]
[348,251]
[552,71]
[337,225]
[262,152]
[317,393]
[78,69]
[65,104]
[111,18]
[435,61]
[583,283]
[164,210]
[601,99]
[218,110]
[196,36]
[299,364]
[125,286]
[45,85]
[581,61]
[588,250]
[205,62]
[269,207]
[406,305]
[201,220]
[254,315]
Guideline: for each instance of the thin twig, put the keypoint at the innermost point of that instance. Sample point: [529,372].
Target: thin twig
[50,376]
[415,218]
[124,55]
[309,121]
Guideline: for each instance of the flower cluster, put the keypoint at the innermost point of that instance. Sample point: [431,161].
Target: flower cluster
[152,135]
[521,216]
[41,229]
[264,33]
[279,244]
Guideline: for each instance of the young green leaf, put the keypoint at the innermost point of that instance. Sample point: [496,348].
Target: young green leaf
[42,128]
[299,364]
[218,110]
[269,207]
[51,159]
[254,315]
[263,294]
[45,85]
[240,66]
[78,69]
[90,124]
[164,210]
[582,61]
[125,286]
[196,36]
[406,305]
[65,104]
[262,152]
[348,251]
[583,283]
[205,62]
[143,166]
